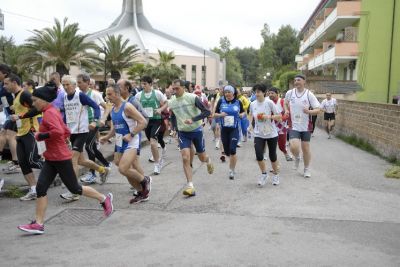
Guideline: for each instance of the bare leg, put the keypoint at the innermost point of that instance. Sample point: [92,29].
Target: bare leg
[154,149]
[305,147]
[12,143]
[88,191]
[41,206]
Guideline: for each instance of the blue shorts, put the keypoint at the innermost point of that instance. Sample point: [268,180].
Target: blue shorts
[187,138]
[133,144]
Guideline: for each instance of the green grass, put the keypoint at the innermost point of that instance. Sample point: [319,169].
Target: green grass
[13,191]
[393,172]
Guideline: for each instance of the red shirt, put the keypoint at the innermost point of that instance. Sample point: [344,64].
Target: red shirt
[52,123]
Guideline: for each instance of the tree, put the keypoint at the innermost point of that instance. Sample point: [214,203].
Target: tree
[138,70]
[164,70]
[234,73]
[61,47]
[119,54]
[249,63]
[286,45]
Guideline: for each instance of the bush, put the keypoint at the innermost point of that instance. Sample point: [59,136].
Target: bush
[285,78]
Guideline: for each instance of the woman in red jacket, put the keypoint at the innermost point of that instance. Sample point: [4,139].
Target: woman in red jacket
[57,156]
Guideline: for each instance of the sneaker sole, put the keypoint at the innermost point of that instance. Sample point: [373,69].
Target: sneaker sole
[70,199]
[188,194]
[137,202]
[27,199]
[36,232]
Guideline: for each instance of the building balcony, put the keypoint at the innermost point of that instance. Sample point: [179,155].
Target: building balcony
[335,53]
[345,14]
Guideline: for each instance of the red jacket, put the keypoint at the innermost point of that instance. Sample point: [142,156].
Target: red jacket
[52,123]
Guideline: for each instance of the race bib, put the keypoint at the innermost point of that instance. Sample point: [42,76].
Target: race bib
[149,111]
[265,128]
[229,121]
[41,145]
[70,117]
[4,102]
[19,123]
[297,118]
[118,140]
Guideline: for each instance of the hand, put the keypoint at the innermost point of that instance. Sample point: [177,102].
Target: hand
[250,128]
[103,140]
[102,123]
[92,126]
[14,117]
[306,110]
[127,137]
[157,111]
[223,114]
[260,116]
[188,121]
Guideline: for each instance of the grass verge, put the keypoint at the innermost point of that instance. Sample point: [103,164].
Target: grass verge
[13,191]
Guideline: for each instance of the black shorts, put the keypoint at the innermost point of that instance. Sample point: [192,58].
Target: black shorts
[303,136]
[78,141]
[152,129]
[10,125]
[329,116]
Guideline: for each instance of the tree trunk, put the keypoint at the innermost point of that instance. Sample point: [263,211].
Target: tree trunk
[62,70]
[115,75]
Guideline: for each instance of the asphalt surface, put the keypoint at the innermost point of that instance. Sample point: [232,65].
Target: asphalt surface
[347,214]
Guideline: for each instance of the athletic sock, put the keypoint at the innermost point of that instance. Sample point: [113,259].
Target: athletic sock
[101,169]
[33,189]
[190,184]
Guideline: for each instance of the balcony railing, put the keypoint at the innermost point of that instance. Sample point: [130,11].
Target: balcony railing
[337,51]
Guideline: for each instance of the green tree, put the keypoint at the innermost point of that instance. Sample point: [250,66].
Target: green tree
[234,73]
[164,70]
[61,47]
[286,45]
[249,63]
[119,54]
[138,70]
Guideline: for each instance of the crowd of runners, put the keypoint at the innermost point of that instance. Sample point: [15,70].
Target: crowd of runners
[48,127]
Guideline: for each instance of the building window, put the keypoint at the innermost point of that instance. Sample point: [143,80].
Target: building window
[183,67]
[203,75]
[194,74]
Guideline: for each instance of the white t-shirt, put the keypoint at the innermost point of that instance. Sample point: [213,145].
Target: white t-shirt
[329,106]
[159,95]
[297,103]
[98,98]
[266,128]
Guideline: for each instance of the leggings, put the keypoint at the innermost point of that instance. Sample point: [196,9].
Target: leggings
[244,123]
[27,153]
[313,119]
[49,171]
[229,138]
[259,146]
[282,143]
[91,148]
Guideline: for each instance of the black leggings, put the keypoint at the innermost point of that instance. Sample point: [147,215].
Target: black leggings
[91,148]
[259,145]
[27,153]
[49,171]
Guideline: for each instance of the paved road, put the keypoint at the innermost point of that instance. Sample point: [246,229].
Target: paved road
[347,214]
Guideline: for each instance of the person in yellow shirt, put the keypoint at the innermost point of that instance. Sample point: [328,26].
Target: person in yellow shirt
[244,122]
[27,151]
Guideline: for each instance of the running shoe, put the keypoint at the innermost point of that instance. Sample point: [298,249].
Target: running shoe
[88,178]
[104,175]
[222,158]
[217,144]
[29,196]
[33,228]
[239,144]
[1,184]
[151,159]
[157,169]
[189,191]
[210,166]
[307,173]
[138,198]
[108,205]
[146,187]
[262,179]
[231,174]
[275,179]
[11,168]
[288,157]
[69,196]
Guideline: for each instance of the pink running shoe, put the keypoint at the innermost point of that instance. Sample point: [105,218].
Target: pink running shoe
[107,205]
[33,228]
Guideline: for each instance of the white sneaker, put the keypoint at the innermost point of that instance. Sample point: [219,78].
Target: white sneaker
[307,173]
[104,175]
[158,145]
[262,179]
[232,174]
[275,179]
[151,159]
[217,144]
[288,157]
[239,144]
[1,184]
[161,163]
[29,196]
[157,170]
[88,178]
[296,163]
[69,196]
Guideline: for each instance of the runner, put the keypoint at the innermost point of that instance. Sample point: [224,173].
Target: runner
[244,121]
[189,112]
[297,103]
[263,112]
[329,107]
[27,151]
[280,125]
[230,110]
[127,124]
[76,105]
[57,160]
[152,100]
[83,81]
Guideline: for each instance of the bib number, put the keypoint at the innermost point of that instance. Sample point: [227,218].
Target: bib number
[41,145]
[118,140]
[298,118]
[70,117]
[149,111]
[229,121]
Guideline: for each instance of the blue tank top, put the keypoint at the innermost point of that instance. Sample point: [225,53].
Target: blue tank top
[120,125]
[232,110]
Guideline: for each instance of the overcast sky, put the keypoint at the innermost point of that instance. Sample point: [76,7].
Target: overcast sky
[201,22]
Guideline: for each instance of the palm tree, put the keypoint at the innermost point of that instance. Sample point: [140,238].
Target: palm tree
[119,54]
[61,47]
[164,70]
